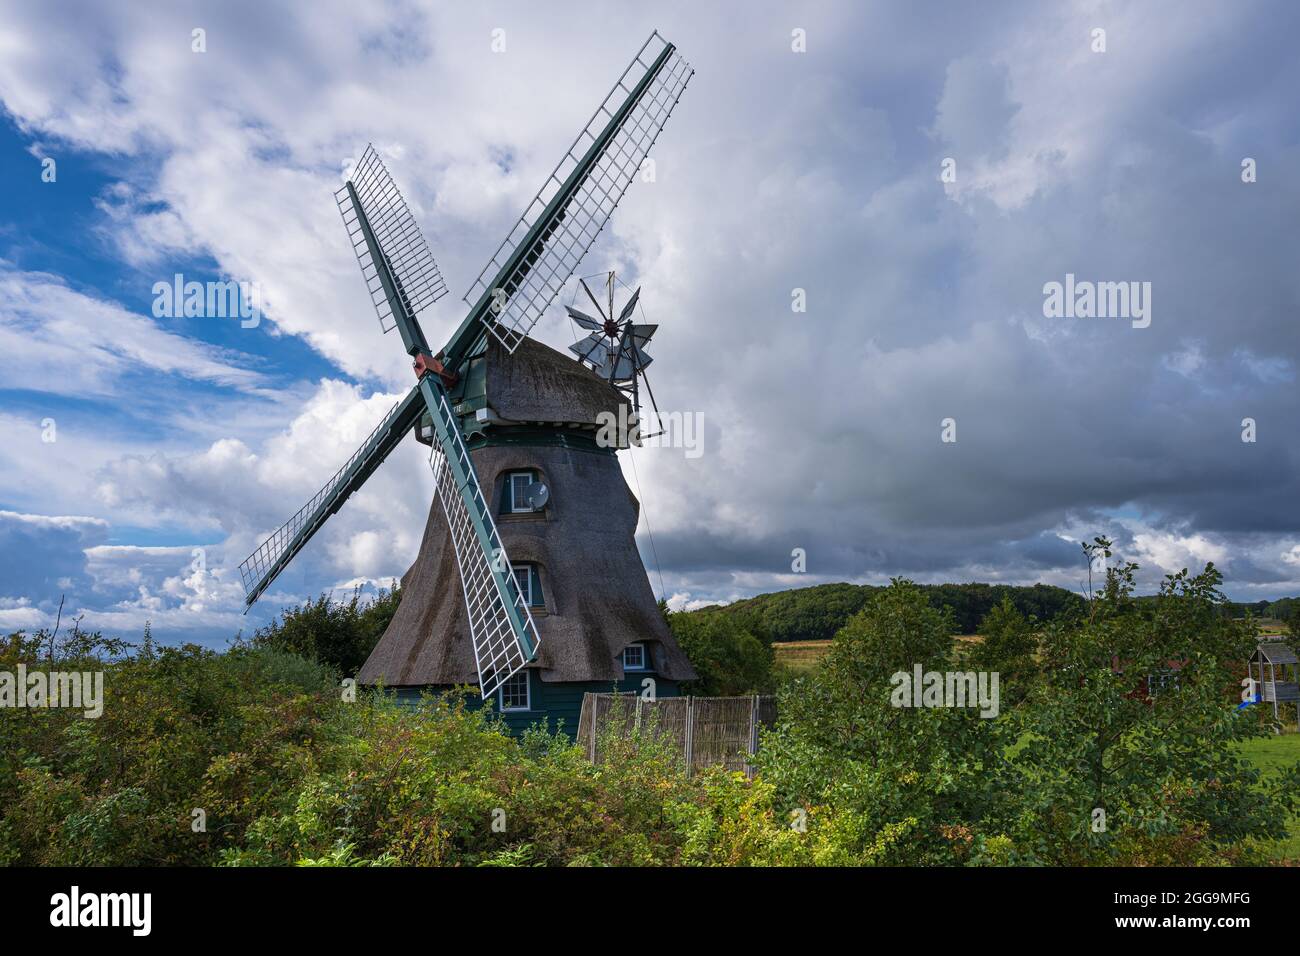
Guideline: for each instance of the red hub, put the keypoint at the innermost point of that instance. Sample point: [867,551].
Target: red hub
[425,363]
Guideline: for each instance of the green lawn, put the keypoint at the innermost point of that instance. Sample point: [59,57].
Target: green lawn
[1274,753]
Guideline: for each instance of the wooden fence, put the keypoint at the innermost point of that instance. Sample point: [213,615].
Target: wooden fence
[705,730]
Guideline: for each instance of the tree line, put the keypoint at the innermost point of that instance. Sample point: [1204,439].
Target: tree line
[817,613]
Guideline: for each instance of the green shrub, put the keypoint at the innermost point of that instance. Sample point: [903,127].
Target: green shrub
[338,634]
[728,657]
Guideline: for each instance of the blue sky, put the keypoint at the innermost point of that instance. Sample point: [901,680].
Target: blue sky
[817,170]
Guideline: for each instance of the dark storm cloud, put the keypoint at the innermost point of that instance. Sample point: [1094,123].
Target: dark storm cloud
[926,303]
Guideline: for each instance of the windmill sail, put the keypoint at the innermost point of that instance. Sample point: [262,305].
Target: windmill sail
[582,318]
[560,224]
[630,307]
[394,231]
[261,567]
[401,277]
[500,623]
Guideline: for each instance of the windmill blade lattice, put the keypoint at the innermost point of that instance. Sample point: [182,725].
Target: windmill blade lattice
[497,651]
[261,567]
[419,283]
[560,224]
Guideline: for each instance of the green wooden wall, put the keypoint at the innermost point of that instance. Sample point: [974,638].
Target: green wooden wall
[559,705]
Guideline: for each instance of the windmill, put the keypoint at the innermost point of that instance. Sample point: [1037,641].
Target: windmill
[518,283]
[615,347]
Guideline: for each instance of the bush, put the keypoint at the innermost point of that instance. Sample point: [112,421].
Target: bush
[182,729]
[728,657]
[338,634]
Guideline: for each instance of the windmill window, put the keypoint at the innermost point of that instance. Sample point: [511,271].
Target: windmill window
[1161,680]
[517,483]
[514,693]
[529,583]
[634,657]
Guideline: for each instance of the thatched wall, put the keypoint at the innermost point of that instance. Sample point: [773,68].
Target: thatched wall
[597,595]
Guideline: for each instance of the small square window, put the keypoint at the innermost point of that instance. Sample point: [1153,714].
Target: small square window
[634,657]
[1161,680]
[514,693]
[519,482]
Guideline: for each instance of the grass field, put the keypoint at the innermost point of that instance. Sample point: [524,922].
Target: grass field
[802,656]
[1274,753]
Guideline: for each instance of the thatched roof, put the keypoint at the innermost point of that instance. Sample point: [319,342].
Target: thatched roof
[538,384]
[598,598]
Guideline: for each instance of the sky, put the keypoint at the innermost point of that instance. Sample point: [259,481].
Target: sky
[855,214]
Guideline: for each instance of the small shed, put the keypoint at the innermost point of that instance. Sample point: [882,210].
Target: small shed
[1278,672]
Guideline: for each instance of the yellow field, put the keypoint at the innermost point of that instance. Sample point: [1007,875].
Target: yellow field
[800,655]
[804,655]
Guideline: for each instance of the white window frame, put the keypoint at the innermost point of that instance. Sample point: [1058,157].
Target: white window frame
[645,658]
[529,478]
[528,693]
[525,589]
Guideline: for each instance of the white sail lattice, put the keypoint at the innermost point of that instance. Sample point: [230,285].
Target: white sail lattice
[522,297]
[497,651]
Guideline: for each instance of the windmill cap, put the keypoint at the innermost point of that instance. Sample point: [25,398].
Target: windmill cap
[536,383]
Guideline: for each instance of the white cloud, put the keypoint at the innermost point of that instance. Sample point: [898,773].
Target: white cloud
[56,339]
[247,492]
[1172,552]
[61,522]
[682,601]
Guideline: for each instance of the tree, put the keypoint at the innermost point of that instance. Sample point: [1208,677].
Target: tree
[817,613]
[1123,750]
[916,776]
[729,659]
[1126,752]
[339,634]
[1008,647]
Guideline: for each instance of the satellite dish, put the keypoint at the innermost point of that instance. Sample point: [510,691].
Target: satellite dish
[537,494]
